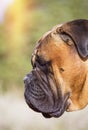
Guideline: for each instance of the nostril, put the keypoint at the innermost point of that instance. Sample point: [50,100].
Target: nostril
[25,79]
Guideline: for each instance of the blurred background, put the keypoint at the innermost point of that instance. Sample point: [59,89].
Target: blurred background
[22,23]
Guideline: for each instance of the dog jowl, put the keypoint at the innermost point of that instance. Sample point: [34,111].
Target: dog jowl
[58,81]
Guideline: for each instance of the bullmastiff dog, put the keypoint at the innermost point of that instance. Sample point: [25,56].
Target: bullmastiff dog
[58,81]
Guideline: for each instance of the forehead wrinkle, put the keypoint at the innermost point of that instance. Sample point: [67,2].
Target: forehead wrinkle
[55,27]
[50,31]
[46,34]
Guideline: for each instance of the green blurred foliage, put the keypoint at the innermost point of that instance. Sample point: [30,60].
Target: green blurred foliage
[44,14]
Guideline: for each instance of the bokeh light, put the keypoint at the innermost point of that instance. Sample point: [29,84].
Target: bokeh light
[22,23]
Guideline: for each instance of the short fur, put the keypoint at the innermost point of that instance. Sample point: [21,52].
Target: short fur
[64,50]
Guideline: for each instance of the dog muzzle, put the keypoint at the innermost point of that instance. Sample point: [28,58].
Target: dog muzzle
[42,93]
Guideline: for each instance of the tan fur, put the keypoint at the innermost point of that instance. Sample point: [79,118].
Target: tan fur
[74,78]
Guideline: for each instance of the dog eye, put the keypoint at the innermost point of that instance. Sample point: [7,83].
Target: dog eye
[66,38]
[61,70]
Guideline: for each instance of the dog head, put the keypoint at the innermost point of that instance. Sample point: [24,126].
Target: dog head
[59,70]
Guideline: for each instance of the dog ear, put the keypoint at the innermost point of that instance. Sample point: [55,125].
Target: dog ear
[78,31]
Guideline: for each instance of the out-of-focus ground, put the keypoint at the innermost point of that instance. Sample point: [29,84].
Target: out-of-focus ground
[22,23]
[15,115]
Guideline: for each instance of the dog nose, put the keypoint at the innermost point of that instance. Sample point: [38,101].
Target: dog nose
[28,78]
[25,79]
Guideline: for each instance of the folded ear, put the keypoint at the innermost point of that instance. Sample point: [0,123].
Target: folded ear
[78,31]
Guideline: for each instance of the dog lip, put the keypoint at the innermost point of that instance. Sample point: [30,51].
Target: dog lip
[55,113]
[57,109]
[62,109]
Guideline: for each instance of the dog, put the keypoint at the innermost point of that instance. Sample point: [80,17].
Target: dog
[58,81]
